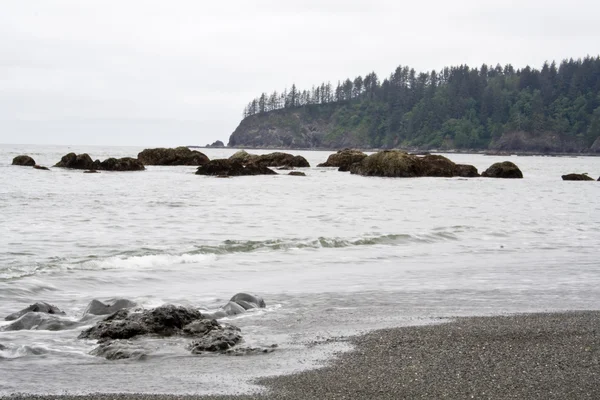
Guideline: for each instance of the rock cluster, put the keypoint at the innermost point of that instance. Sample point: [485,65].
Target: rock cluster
[399,164]
[227,167]
[276,159]
[85,162]
[177,156]
[343,159]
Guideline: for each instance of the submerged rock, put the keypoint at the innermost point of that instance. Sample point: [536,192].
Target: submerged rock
[24,161]
[120,350]
[96,307]
[248,301]
[219,338]
[343,159]
[39,307]
[505,169]
[177,156]
[78,161]
[297,173]
[122,164]
[2,347]
[235,167]
[167,320]
[577,177]
[41,322]
[91,171]
[41,167]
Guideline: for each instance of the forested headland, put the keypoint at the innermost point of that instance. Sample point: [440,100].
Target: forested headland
[552,109]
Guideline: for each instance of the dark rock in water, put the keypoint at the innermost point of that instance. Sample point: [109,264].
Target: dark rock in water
[2,347]
[297,173]
[24,161]
[577,177]
[91,171]
[285,168]
[388,163]
[39,307]
[41,322]
[119,350]
[96,307]
[78,161]
[166,320]
[343,159]
[235,167]
[276,159]
[246,351]
[248,301]
[504,169]
[466,171]
[177,156]
[216,143]
[437,166]
[40,167]
[122,164]
[218,339]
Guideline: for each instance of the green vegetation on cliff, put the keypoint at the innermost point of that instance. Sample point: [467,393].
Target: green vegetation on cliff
[556,108]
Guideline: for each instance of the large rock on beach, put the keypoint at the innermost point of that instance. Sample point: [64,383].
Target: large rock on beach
[167,320]
[343,159]
[96,307]
[39,307]
[235,167]
[122,164]
[41,322]
[504,169]
[177,156]
[577,177]
[24,161]
[78,161]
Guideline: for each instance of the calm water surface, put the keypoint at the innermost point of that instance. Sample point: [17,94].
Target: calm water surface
[333,254]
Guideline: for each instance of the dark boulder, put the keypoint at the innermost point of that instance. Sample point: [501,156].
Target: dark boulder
[437,166]
[228,167]
[504,169]
[121,164]
[40,322]
[96,307]
[39,307]
[40,167]
[91,171]
[78,161]
[166,320]
[24,161]
[343,159]
[177,156]
[577,177]
[217,338]
[276,159]
[297,173]
[389,163]
[466,171]
[248,301]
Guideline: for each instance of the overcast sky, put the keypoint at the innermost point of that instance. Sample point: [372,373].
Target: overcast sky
[179,72]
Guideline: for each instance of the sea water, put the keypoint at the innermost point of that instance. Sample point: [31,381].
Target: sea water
[332,254]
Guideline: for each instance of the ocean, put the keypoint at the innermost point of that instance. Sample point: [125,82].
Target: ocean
[332,254]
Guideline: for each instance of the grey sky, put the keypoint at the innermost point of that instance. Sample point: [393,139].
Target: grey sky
[179,72]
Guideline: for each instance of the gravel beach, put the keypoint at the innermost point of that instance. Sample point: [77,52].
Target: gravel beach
[528,356]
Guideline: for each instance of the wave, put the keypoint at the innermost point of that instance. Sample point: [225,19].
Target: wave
[151,259]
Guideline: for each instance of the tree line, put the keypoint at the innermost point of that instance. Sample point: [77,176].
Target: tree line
[471,106]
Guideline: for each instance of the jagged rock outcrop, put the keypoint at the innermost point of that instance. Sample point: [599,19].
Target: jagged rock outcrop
[122,164]
[39,307]
[399,164]
[506,169]
[177,156]
[577,177]
[78,161]
[276,159]
[216,144]
[228,167]
[24,161]
[343,159]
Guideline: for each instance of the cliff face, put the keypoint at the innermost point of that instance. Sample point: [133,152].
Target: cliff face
[305,127]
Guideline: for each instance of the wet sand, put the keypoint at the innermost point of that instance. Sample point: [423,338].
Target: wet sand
[529,356]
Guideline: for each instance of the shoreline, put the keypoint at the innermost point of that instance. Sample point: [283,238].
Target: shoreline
[553,355]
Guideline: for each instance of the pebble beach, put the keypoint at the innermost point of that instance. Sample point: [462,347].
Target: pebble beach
[525,356]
